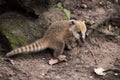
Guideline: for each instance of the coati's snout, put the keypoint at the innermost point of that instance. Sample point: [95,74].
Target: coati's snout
[82,39]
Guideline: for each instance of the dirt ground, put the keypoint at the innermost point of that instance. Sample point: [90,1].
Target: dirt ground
[99,50]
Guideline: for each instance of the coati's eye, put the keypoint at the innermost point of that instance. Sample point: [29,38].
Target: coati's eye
[72,22]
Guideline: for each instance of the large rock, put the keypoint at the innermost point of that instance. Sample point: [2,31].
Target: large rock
[20,30]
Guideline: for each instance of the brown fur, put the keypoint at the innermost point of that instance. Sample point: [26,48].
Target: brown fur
[54,38]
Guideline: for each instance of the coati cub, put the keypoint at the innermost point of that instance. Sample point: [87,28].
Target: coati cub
[54,38]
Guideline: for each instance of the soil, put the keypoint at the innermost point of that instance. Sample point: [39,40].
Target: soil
[99,50]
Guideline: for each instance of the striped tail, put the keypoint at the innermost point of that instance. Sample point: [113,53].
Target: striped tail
[33,47]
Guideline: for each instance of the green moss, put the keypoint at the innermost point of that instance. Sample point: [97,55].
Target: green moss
[17,41]
[17,30]
[14,40]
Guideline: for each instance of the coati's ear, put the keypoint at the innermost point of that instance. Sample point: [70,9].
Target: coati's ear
[72,22]
[72,25]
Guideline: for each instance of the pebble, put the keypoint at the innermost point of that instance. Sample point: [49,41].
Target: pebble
[83,6]
[1,75]
[90,22]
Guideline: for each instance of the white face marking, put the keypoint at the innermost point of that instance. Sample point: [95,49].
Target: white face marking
[83,35]
[76,35]
[72,28]
[84,32]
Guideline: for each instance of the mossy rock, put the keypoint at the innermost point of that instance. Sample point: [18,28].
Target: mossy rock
[20,30]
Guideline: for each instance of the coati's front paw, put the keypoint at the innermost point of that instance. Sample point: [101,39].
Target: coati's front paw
[62,58]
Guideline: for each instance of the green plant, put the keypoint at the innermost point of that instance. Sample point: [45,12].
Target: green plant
[66,11]
[59,5]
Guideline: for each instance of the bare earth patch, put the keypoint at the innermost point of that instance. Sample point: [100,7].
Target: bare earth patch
[98,51]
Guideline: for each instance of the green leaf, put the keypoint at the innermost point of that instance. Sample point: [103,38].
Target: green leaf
[59,5]
[67,12]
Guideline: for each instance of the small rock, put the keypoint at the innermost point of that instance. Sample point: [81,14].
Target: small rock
[57,77]
[101,3]
[1,75]
[99,71]
[43,58]
[116,74]
[91,77]
[83,6]
[42,74]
